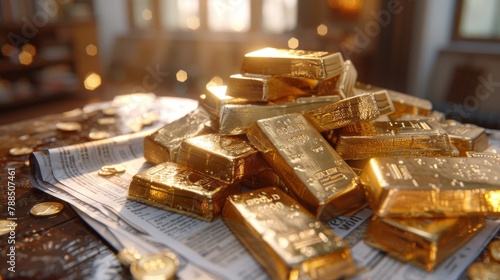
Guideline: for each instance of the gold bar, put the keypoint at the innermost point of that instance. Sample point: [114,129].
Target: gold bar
[423,242]
[225,158]
[432,187]
[310,168]
[482,155]
[259,88]
[392,139]
[351,110]
[348,79]
[237,119]
[466,137]
[163,144]
[215,98]
[293,63]
[176,188]
[286,240]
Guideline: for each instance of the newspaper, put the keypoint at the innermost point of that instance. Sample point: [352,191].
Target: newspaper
[71,173]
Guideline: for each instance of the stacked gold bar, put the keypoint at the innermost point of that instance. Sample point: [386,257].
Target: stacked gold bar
[284,238]
[310,168]
[391,139]
[467,137]
[174,187]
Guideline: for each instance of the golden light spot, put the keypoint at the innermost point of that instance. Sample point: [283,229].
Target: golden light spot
[92,81]
[25,58]
[193,22]
[91,49]
[349,6]
[322,29]
[8,50]
[215,81]
[147,14]
[181,76]
[29,48]
[293,43]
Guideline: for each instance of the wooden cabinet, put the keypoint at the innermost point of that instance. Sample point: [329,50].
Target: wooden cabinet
[48,49]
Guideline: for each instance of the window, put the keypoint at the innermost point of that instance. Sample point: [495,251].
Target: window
[477,20]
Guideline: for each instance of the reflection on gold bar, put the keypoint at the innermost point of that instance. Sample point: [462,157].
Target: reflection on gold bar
[225,158]
[176,188]
[432,187]
[287,241]
[163,144]
[293,63]
[424,242]
[215,97]
[467,137]
[403,103]
[482,155]
[392,139]
[237,119]
[260,88]
[351,110]
[310,168]
[348,79]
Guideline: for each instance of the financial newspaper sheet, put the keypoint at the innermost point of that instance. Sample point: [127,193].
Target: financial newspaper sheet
[207,250]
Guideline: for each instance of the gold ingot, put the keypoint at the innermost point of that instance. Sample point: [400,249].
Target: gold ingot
[155,266]
[163,145]
[6,226]
[432,187]
[179,189]
[391,139]
[216,97]
[309,167]
[20,151]
[293,63]
[423,242]
[285,239]
[365,107]
[484,271]
[482,155]
[46,209]
[347,79]
[225,158]
[237,119]
[467,137]
[403,103]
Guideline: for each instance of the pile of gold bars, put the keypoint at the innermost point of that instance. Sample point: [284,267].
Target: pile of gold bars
[294,140]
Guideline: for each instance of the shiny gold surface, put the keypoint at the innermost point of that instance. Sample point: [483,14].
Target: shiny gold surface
[351,110]
[348,79]
[293,63]
[423,242]
[237,119]
[432,187]
[287,241]
[467,137]
[484,271]
[392,139]
[176,188]
[310,168]
[163,144]
[225,158]
[46,209]
[160,266]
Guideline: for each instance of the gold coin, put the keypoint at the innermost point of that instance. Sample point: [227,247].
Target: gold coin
[106,172]
[155,266]
[109,111]
[480,271]
[97,135]
[46,209]
[106,121]
[128,256]
[149,118]
[494,249]
[20,151]
[69,126]
[7,226]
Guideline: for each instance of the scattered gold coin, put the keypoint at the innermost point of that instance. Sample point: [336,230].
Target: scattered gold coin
[46,209]
[69,126]
[109,111]
[494,249]
[6,226]
[97,135]
[20,151]
[155,266]
[105,173]
[106,121]
[109,170]
[128,256]
[149,118]
[480,271]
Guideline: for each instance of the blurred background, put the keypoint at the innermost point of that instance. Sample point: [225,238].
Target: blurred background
[57,55]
